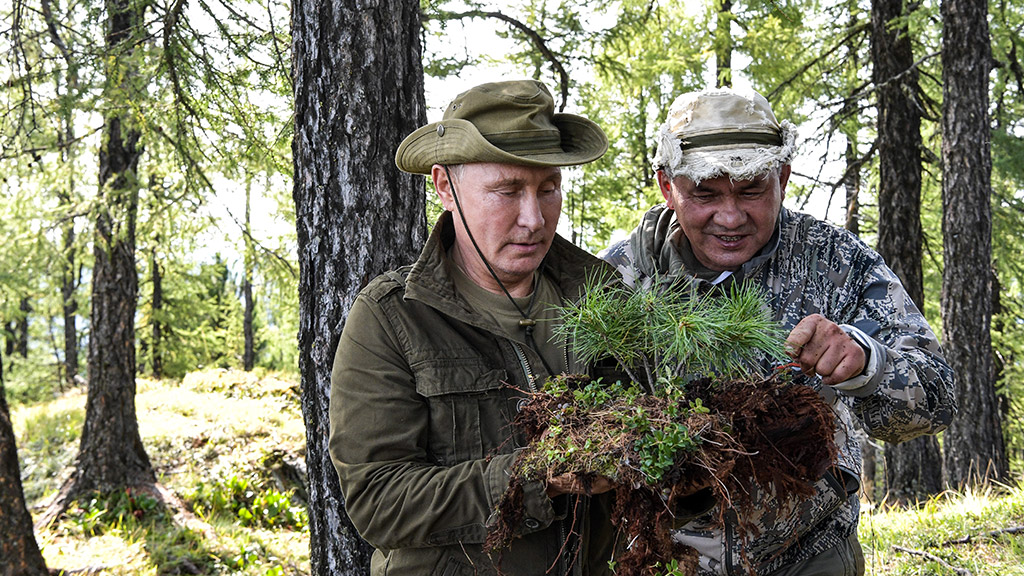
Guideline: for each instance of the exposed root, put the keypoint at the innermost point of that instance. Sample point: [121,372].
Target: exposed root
[771,435]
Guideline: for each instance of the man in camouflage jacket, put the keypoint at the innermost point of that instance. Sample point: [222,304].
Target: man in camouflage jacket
[723,163]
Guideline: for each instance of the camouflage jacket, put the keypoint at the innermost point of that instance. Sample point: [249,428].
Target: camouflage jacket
[906,390]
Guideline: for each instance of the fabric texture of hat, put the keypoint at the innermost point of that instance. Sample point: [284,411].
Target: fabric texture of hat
[722,132]
[507,122]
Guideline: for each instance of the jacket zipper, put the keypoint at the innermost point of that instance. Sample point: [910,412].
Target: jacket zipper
[531,381]
[525,364]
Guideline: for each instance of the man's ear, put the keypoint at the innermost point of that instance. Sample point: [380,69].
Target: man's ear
[443,186]
[784,173]
[665,185]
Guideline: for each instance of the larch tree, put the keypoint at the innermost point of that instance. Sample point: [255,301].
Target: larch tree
[914,467]
[974,449]
[19,552]
[111,455]
[358,89]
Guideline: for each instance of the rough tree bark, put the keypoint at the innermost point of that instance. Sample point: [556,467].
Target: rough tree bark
[19,553]
[111,455]
[913,468]
[358,82]
[974,442]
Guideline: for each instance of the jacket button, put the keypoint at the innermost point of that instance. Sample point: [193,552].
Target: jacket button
[522,402]
[531,523]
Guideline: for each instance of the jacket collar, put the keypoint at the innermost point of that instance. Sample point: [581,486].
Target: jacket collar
[430,282]
[656,248]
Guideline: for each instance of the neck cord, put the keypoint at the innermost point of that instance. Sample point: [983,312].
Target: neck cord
[526,322]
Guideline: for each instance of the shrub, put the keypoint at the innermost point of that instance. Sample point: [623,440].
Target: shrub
[249,501]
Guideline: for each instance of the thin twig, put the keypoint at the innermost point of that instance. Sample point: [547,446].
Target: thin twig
[990,534]
[933,558]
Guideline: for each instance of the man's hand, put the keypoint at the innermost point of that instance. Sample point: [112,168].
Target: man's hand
[823,348]
[573,484]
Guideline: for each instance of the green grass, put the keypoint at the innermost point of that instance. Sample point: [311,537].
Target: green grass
[213,437]
[938,527]
[214,440]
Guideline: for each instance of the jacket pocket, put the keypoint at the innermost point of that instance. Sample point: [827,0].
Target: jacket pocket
[467,410]
[452,567]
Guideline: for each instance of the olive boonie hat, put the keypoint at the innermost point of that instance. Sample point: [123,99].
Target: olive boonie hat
[507,122]
[723,132]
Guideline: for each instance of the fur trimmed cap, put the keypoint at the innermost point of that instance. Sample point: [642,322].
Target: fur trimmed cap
[722,132]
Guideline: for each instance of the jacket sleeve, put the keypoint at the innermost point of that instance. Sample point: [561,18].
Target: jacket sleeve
[396,495]
[907,389]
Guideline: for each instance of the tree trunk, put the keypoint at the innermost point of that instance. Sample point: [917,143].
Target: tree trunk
[358,83]
[21,328]
[913,468]
[69,284]
[851,183]
[974,441]
[723,44]
[19,553]
[156,314]
[249,355]
[111,455]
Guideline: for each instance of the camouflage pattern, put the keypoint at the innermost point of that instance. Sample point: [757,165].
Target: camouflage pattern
[907,389]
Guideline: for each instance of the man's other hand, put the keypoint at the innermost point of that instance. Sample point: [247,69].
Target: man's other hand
[821,347]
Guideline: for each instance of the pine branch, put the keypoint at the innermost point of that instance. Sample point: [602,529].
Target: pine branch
[670,332]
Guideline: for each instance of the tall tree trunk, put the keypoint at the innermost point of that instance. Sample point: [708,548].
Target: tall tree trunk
[723,44]
[111,454]
[913,468]
[156,313]
[358,83]
[21,327]
[66,140]
[974,441]
[249,355]
[851,183]
[69,284]
[19,553]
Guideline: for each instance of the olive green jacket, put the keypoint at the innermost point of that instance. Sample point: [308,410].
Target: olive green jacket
[423,393]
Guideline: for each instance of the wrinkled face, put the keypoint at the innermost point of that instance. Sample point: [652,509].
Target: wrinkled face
[511,210]
[726,221]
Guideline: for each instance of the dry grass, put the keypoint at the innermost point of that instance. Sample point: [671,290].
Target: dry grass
[209,430]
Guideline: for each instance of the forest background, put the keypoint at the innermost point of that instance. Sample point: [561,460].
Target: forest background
[172,174]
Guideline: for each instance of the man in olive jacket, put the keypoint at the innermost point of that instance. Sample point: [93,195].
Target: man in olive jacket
[435,357]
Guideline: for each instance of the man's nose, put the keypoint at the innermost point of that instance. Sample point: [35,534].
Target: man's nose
[729,213]
[531,216]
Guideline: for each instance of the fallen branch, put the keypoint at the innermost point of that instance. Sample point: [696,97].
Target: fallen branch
[933,558]
[990,534]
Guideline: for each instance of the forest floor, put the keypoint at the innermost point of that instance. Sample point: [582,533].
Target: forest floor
[231,445]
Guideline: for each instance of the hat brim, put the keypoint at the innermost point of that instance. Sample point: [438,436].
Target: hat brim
[459,142]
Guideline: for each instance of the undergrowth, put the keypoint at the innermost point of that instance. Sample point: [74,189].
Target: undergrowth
[978,532]
[229,444]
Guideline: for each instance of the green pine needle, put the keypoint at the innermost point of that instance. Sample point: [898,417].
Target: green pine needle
[671,331]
